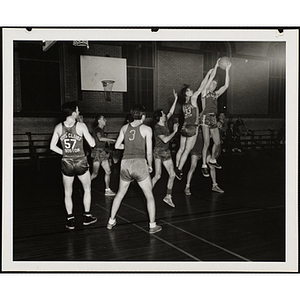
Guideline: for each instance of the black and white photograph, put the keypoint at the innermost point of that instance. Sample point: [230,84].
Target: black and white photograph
[150,150]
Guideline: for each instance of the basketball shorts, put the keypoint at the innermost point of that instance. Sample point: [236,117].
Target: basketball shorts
[74,166]
[188,130]
[162,154]
[134,169]
[209,120]
[99,155]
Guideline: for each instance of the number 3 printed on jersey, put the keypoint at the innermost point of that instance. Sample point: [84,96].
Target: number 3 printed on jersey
[132,137]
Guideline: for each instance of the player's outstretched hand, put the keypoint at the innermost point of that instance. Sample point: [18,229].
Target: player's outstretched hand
[175,94]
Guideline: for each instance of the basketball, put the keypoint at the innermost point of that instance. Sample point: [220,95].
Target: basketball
[224,61]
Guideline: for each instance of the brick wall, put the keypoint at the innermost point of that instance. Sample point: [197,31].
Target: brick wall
[175,69]
[46,125]
[34,125]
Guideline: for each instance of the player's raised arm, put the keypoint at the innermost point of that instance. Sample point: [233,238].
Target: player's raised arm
[172,109]
[203,84]
[211,77]
[222,89]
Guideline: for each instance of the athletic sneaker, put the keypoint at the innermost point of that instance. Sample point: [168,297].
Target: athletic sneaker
[215,164]
[205,172]
[216,188]
[168,200]
[70,223]
[187,191]
[157,228]
[89,219]
[109,192]
[110,226]
[178,174]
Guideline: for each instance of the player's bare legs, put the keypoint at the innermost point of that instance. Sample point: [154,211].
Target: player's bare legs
[123,187]
[107,170]
[157,164]
[146,186]
[190,143]
[68,190]
[85,180]
[96,167]
[180,150]
[215,134]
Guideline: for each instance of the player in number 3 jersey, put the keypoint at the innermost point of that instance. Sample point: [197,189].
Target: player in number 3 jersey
[136,164]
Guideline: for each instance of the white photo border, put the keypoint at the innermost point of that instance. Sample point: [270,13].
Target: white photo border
[290,36]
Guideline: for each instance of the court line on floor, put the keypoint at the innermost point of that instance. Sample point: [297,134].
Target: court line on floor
[228,214]
[141,228]
[206,217]
[208,242]
[155,236]
[189,233]
[195,236]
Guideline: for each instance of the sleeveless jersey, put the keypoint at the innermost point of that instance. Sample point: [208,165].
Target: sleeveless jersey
[211,104]
[161,130]
[190,113]
[99,144]
[135,144]
[72,142]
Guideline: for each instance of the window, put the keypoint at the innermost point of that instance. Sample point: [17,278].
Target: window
[277,79]
[39,77]
[140,73]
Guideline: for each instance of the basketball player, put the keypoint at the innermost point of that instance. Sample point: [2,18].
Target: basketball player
[189,129]
[136,164]
[208,118]
[74,161]
[162,153]
[100,156]
[196,154]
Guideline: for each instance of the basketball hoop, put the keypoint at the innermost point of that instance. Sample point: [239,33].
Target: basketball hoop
[81,43]
[107,86]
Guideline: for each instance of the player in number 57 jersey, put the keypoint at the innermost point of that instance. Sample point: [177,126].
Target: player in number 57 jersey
[74,162]
[136,164]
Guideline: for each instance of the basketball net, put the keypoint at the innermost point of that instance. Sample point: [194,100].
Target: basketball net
[81,43]
[107,86]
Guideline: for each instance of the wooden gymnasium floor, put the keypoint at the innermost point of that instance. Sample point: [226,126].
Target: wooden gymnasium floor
[246,223]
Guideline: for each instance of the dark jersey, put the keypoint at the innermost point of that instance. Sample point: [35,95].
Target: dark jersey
[96,132]
[190,113]
[211,104]
[161,130]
